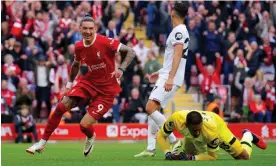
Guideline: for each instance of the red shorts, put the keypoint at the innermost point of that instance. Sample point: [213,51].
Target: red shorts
[99,103]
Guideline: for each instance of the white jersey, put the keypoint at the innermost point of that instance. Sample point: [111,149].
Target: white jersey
[179,35]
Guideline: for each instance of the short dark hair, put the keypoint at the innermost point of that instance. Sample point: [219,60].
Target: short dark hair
[193,118]
[181,9]
[87,17]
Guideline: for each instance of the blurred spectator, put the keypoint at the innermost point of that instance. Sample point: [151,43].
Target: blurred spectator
[136,83]
[240,63]
[42,85]
[17,26]
[211,76]
[23,95]
[65,21]
[100,28]
[111,31]
[51,23]
[152,65]
[252,57]
[269,98]
[141,51]
[214,106]
[74,33]
[247,94]
[116,110]
[194,46]
[135,109]
[151,12]
[242,32]
[97,10]
[4,31]
[194,33]
[265,22]
[70,52]
[258,108]
[228,64]
[9,66]
[8,98]
[267,66]
[25,124]
[236,110]
[213,43]
[62,72]
[137,11]
[32,50]
[128,36]
[259,82]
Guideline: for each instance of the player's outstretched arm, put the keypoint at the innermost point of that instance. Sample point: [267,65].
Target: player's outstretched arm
[130,54]
[73,73]
[74,70]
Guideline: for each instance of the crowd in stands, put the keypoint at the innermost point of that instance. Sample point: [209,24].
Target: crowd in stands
[231,43]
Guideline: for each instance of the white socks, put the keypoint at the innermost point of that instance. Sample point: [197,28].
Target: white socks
[247,136]
[42,142]
[152,130]
[159,120]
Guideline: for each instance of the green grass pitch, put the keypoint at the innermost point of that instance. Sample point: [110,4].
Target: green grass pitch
[121,154]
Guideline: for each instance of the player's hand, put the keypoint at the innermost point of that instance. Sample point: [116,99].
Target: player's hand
[169,156]
[184,156]
[168,84]
[153,77]
[117,73]
[178,156]
[64,92]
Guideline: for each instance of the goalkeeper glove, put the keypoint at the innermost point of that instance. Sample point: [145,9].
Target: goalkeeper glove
[180,156]
[183,156]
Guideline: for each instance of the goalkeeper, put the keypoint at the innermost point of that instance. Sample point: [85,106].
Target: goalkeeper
[204,132]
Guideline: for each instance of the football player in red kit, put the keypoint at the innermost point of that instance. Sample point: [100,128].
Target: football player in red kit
[99,85]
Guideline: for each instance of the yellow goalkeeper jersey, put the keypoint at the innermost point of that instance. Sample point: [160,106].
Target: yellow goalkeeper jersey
[211,133]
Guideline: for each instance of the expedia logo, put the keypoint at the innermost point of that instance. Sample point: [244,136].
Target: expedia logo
[112,131]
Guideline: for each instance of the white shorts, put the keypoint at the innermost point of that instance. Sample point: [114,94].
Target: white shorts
[159,94]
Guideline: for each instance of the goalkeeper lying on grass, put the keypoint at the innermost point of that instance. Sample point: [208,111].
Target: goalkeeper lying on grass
[205,132]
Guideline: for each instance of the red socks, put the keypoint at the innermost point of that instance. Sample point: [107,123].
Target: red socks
[54,121]
[88,131]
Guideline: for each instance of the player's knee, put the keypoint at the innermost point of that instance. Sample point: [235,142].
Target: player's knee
[87,121]
[84,125]
[243,156]
[152,106]
[69,102]
[246,156]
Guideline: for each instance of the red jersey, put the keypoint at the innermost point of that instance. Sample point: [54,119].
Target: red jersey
[8,96]
[99,57]
[13,67]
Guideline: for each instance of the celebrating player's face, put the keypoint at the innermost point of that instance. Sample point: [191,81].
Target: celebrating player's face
[195,130]
[88,30]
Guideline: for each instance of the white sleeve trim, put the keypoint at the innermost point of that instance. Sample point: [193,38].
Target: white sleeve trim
[119,47]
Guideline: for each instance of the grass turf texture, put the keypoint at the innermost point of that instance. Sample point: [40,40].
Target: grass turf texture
[113,153]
